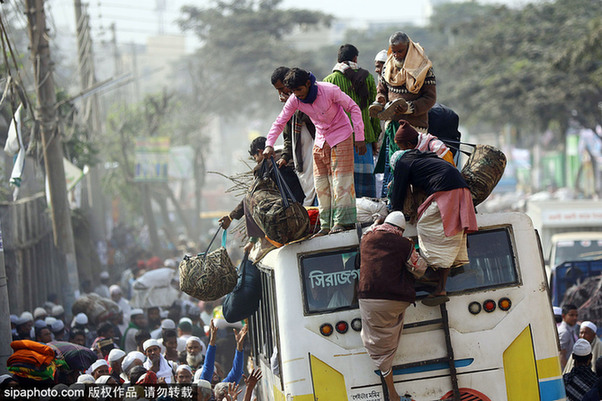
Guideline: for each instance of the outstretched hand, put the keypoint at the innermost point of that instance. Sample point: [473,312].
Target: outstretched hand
[212,333]
[253,378]
[251,381]
[233,392]
[240,336]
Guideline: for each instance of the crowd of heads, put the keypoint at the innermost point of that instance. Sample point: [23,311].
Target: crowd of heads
[170,343]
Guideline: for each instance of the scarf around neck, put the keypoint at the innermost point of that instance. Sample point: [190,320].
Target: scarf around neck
[357,76]
[416,66]
[313,90]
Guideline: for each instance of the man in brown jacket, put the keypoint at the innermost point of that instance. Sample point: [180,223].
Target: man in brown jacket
[386,289]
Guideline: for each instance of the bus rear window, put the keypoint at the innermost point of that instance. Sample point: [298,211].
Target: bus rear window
[329,281]
[492,262]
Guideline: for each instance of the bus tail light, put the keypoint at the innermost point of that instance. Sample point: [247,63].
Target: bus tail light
[489,305]
[326,329]
[342,327]
[474,308]
[356,324]
[504,304]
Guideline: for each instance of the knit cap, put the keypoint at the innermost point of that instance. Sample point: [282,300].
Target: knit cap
[405,132]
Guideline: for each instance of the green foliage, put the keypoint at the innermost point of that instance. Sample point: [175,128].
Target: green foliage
[78,147]
[124,124]
[529,67]
[242,45]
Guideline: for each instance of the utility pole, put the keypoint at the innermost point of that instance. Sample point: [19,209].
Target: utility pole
[117,60]
[135,67]
[5,334]
[46,117]
[95,198]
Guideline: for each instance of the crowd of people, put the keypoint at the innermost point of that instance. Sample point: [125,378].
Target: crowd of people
[345,137]
[133,350]
[580,355]
[340,134]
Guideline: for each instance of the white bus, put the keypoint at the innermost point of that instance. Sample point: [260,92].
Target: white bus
[500,331]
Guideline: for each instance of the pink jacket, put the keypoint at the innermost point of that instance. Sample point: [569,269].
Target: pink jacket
[327,113]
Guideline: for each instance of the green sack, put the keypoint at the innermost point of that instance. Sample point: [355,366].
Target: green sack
[208,276]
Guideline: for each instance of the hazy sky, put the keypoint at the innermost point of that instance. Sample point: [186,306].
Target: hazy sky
[137,19]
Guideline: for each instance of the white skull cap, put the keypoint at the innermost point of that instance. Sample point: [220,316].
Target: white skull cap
[582,347]
[590,326]
[381,56]
[397,219]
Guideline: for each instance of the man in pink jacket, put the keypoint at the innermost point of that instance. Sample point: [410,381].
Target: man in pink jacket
[326,104]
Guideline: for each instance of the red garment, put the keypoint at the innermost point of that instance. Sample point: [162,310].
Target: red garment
[154,263]
[457,210]
[149,377]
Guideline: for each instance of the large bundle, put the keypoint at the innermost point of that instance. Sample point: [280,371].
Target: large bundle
[76,356]
[208,276]
[369,209]
[483,170]
[34,362]
[154,288]
[281,219]
[97,308]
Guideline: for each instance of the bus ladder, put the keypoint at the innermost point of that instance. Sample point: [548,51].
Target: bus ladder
[449,359]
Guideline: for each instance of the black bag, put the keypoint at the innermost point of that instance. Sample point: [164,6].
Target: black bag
[244,299]
[443,123]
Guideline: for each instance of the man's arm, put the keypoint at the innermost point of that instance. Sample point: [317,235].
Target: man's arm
[251,382]
[382,92]
[235,214]
[209,364]
[278,125]
[287,151]
[401,181]
[428,96]
[235,373]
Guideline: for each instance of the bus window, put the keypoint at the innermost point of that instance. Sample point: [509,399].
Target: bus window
[264,325]
[330,280]
[492,263]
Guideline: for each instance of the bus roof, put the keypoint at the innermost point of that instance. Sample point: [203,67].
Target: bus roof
[349,238]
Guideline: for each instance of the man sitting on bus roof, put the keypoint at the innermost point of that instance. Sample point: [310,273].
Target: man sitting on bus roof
[581,379]
[386,289]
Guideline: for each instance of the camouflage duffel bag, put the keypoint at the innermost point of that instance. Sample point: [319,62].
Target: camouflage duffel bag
[210,275]
[483,170]
[273,209]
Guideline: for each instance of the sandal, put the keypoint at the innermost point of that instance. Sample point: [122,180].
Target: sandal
[434,300]
[375,108]
[339,228]
[320,233]
[390,109]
